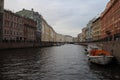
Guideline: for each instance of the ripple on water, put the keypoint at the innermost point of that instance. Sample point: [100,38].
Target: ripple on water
[67,62]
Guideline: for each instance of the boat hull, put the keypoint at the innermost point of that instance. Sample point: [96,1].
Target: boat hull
[103,60]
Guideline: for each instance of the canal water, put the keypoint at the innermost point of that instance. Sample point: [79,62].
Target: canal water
[66,62]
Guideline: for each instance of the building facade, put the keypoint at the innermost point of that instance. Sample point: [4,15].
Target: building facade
[36,17]
[17,28]
[29,30]
[1,6]
[12,27]
[80,37]
[45,35]
[1,18]
[88,33]
[84,34]
[75,39]
[52,36]
[68,39]
[89,30]
[110,20]
[96,29]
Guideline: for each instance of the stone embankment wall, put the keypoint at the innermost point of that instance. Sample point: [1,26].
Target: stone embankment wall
[14,45]
[113,47]
[17,45]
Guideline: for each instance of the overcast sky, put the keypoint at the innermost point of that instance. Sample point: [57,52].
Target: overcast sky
[65,16]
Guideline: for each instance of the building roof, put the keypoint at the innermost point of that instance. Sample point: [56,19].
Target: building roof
[28,13]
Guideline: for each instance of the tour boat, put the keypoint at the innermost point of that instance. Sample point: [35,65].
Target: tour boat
[99,57]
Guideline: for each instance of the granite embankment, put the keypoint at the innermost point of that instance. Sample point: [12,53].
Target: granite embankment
[113,47]
[17,45]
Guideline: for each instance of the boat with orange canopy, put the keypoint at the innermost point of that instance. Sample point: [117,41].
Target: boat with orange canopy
[100,56]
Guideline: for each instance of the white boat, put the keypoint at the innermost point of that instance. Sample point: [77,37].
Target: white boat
[98,56]
[103,60]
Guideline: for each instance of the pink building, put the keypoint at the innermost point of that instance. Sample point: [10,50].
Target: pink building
[110,20]
[12,27]
[17,28]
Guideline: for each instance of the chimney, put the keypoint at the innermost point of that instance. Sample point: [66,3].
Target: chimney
[23,9]
[32,9]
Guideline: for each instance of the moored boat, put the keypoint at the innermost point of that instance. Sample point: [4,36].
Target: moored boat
[100,57]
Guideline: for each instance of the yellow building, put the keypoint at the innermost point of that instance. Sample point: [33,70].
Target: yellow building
[45,31]
[96,29]
[68,38]
[80,37]
[84,34]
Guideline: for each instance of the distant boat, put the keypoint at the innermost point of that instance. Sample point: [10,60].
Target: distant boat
[99,56]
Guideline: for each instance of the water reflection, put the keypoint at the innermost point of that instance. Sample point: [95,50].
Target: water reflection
[18,64]
[109,72]
[67,62]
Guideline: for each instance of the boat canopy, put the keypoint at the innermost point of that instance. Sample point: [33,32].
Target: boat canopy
[99,53]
